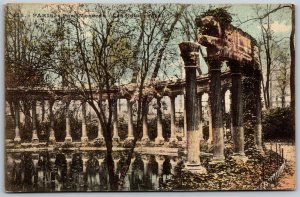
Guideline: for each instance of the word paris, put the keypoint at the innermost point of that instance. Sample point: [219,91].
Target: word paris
[146,97]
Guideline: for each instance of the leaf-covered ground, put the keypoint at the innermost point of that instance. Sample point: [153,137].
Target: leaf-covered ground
[229,175]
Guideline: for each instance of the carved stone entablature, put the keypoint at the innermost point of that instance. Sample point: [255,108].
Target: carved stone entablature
[226,42]
[190,53]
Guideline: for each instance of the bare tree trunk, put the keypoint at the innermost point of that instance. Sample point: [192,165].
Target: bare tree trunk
[292,53]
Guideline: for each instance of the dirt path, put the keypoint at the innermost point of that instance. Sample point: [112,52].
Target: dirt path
[287,180]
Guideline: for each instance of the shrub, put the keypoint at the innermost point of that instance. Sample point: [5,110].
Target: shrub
[279,124]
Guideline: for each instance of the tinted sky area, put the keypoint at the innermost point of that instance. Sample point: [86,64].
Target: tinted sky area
[280,22]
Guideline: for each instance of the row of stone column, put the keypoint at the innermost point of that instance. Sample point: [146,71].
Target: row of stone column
[84,139]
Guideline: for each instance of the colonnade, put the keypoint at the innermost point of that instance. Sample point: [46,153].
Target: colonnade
[84,137]
[190,55]
[236,111]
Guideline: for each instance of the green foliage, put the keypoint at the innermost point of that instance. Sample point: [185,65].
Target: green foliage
[279,124]
[249,107]
[221,14]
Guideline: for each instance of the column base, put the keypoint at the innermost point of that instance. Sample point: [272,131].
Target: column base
[129,138]
[128,142]
[116,139]
[99,141]
[17,139]
[173,141]
[68,139]
[35,141]
[260,150]
[145,140]
[52,140]
[216,160]
[159,141]
[84,140]
[195,168]
[240,158]
[209,141]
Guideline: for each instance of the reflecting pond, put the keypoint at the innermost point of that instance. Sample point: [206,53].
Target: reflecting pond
[85,171]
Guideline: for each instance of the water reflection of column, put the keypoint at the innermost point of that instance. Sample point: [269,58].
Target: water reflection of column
[173,162]
[68,138]
[53,171]
[116,160]
[36,174]
[84,137]
[17,122]
[35,139]
[130,169]
[160,161]
[145,159]
[159,139]
[18,176]
[173,138]
[69,161]
[130,121]
[84,160]
[101,171]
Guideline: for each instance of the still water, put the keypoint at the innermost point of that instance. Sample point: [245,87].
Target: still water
[85,171]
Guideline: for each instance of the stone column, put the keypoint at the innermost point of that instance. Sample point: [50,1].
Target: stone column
[216,109]
[130,121]
[200,124]
[68,138]
[17,138]
[52,139]
[173,138]
[258,126]
[145,138]
[159,139]
[115,121]
[34,139]
[223,91]
[237,112]
[184,135]
[84,137]
[100,136]
[190,55]
[210,130]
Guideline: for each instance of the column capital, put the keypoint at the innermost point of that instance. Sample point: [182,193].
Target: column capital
[235,67]
[199,95]
[189,53]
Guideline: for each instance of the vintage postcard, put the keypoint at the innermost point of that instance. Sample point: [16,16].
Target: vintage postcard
[149,97]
